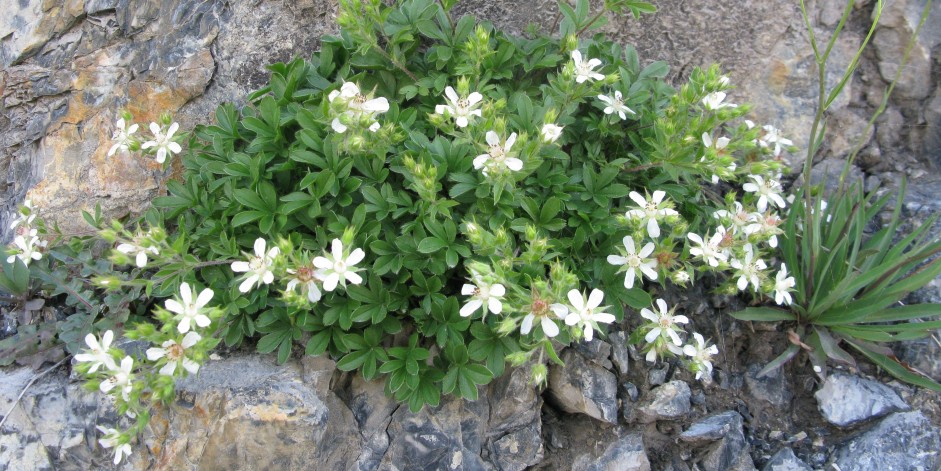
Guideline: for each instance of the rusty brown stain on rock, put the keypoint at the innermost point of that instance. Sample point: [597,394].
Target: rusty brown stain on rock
[778,76]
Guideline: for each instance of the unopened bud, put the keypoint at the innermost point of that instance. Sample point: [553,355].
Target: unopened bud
[538,374]
[518,358]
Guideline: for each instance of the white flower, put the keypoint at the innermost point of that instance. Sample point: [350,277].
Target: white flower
[461,109]
[137,247]
[587,314]
[681,277]
[122,137]
[163,142]
[748,269]
[258,267]
[765,224]
[356,107]
[719,145]
[498,156]
[664,324]
[708,249]
[650,211]
[583,70]
[772,136]
[551,132]
[23,219]
[724,81]
[766,190]
[638,265]
[306,278]
[615,104]
[120,379]
[27,248]
[701,355]
[482,296]
[541,311]
[737,217]
[175,354]
[190,311]
[713,101]
[716,149]
[97,352]
[782,287]
[112,439]
[337,267]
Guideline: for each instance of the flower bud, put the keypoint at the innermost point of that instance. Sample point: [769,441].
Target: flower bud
[518,358]
[539,374]
[570,43]
[506,326]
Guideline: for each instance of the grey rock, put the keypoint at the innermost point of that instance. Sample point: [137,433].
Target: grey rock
[658,376]
[785,460]
[713,428]
[597,351]
[772,388]
[730,452]
[932,144]
[583,387]
[445,437]
[625,454]
[828,173]
[847,400]
[519,449]
[620,353]
[901,441]
[670,401]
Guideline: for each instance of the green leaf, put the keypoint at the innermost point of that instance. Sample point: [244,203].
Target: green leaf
[431,245]
[764,314]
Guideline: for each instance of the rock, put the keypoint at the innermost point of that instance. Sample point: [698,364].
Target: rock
[658,376]
[49,426]
[845,132]
[846,400]
[583,387]
[828,173]
[667,402]
[932,144]
[245,412]
[620,354]
[901,441]
[772,387]
[712,428]
[625,454]
[519,449]
[597,351]
[720,441]
[896,25]
[785,460]
[445,437]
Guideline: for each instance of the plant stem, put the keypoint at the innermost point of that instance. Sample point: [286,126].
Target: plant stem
[590,22]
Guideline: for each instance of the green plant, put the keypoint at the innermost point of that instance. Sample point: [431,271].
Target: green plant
[416,200]
[849,280]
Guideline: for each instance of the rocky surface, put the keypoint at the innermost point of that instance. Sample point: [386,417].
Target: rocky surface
[902,441]
[583,387]
[846,400]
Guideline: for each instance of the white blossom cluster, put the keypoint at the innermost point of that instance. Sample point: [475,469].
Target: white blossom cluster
[27,244]
[161,142]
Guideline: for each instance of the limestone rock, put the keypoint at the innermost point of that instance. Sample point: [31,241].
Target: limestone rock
[625,454]
[583,387]
[901,441]
[785,460]
[730,452]
[246,413]
[846,400]
[712,428]
[667,402]
[772,387]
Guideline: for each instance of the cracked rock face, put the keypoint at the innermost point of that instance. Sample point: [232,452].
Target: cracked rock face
[246,412]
